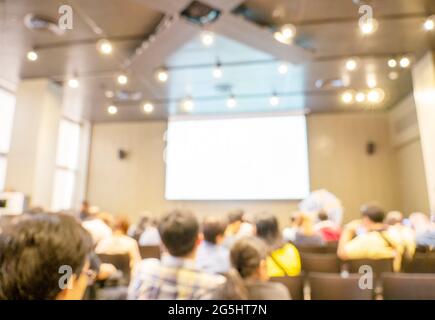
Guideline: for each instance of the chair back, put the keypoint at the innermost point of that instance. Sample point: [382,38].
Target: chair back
[407,286]
[147,252]
[329,286]
[295,285]
[120,261]
[420,263]
[320,262]
[329,248]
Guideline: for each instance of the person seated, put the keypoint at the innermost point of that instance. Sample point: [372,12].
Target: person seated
[95,225]
[175,276]
[235,221]
[305,234]
[212,256]
[326,228]
[150,235]
[289,233]
[248,257]
[44,257]
[283,257]
[424,230]
[374,242]
[401,233]
[119,243]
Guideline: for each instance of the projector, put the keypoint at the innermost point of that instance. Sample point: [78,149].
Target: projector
[13,203]
[200,13]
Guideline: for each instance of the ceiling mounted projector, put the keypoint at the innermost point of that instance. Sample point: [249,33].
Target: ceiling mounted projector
[40,23]
[200,13]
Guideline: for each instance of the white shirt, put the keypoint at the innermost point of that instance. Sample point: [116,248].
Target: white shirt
[98,229]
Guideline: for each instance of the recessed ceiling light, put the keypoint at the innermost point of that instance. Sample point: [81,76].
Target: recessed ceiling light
[360,97]
[347,97]
[368,27]
[73,83]
[207,38]
[112,110]
[148,107]
[285,34]
[109,94]
[122,79]
[405,62]
[393,75]
[217,71]
[371,81]
[162,75]
[376,95]
[392,63]
[231,102]
[187,104]
[283,68]
[429,24]
[274,100]
[32,55]
[351,64]
[104,47]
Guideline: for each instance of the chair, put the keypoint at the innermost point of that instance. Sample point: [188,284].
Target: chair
[330,248]
[407,286]
[295,285]
[320,262]
[147,252]
[120,261]
[421,263]
[329,286]
[378,265]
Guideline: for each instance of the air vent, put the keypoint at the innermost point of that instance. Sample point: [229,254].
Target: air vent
[40,23]
[124,95]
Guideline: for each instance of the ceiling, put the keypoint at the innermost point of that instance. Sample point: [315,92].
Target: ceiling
[147,34]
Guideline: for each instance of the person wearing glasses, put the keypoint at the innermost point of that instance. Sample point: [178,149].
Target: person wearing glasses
[45,257]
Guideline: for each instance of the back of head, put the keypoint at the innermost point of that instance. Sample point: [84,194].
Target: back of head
[322,215]
[247,254]
[179,232]
[393,217]
[212,227]
[267,228]
[121,224]
[374,213]
[235,216]
[32,252]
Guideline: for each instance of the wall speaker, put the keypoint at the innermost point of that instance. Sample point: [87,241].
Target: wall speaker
[371,148]
[122,154]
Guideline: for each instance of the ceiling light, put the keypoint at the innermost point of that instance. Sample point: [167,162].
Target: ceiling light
[347,97]
[429,24]
[217,71]
[405,62]
[162,75]
[104,46]
[109,94]
[285,34]
[122,79]
[283,68]
[148,107]
[351,64]
[360,97]
[369,26]
[376,96]
[274,100]
[32,55]
[73,83]
[112,110]
[393,75]
[392,63]
[207,38]
[231,102]
[188,104]
[371,81]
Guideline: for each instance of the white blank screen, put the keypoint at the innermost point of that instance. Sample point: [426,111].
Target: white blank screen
[237,159]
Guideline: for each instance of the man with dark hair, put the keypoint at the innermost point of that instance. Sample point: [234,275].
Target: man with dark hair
[369,238]
[175,276]
[44,257]
[212,256]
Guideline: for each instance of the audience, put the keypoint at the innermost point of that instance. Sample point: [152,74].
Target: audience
[289,233]
[36,253]
[283,258]
[305,234]
[401,233]
[95,225]
[119,243]
[424,230]
[249,258]
[374,243]
[150,236]
[326,228]
[175,276]
[212,256]
[235,221]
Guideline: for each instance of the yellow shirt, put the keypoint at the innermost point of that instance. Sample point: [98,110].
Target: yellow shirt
[284,261]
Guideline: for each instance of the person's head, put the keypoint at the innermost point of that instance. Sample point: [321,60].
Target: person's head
[296,219]
[121,225]
[393,218]
[420,222]
[267,228]
[306,226]
[322,215]
[44,257]
[248,256]
[235,219]
[179,231]
[372,215]
[213,229]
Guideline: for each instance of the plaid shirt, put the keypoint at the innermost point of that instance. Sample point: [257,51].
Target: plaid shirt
[172,279]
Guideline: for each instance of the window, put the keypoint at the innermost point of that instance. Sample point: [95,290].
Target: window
[7,108]
[67,156]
